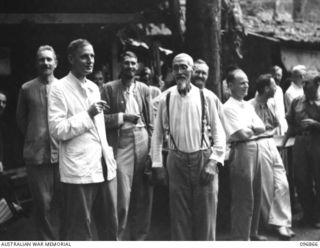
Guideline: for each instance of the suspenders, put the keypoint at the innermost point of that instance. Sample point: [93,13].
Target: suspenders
[202,119]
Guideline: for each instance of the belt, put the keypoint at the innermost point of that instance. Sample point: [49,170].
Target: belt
[249,140]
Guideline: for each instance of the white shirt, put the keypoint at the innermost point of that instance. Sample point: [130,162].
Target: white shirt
[292,92]
[239,115]
[82,141]
[185,125]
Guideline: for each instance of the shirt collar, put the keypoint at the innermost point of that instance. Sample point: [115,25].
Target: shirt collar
[83,85]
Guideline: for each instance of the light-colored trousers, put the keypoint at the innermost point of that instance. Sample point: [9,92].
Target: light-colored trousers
[275,206]
[134,192]
[245,179]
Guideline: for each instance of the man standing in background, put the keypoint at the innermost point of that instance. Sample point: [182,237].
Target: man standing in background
[128,125]
[40,150]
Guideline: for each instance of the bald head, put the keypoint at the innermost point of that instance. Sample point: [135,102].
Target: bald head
[238,83]
[186,58]
[182,67]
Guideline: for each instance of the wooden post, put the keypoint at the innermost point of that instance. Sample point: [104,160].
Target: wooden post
[203,37]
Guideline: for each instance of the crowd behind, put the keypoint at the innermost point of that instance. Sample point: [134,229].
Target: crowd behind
[94,150]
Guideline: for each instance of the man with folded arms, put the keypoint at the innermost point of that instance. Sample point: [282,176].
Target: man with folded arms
[243,128]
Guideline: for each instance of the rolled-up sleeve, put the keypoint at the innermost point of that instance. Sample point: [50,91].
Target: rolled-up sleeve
[61,126]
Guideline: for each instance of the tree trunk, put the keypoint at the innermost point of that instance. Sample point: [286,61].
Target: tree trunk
[203,37]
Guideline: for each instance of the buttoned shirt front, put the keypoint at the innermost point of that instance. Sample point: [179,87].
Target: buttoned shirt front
[69,122]
[32,120]
[185,125]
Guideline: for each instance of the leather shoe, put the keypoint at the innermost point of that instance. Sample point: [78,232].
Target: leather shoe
[258,238]
[283,233]
[291,233]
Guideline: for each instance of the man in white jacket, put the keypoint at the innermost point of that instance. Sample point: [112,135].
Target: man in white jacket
[86,162]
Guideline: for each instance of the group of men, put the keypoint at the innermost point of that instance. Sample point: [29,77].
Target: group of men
[87,150]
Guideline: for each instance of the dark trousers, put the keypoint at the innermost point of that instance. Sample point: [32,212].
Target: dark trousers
[193,207]
[135,194]
[45,189]
[86,201]
[306,164]
[245,179]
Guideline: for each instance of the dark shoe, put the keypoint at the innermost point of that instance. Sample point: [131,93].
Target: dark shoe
[258,238]
[292,233]
[283,233]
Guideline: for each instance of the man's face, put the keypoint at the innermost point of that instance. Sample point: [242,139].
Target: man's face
[82,60]
[129,67]
[182,73]
[200,75]
[277,75]
[98,78]
[46,62]
[240,85]
[146,76]
[3,103]
[271,89]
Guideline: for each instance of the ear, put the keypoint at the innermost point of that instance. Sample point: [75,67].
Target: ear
[70,58]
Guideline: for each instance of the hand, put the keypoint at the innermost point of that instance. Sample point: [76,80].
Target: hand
[308,123]
[131,118]
[209,170]
[97,108]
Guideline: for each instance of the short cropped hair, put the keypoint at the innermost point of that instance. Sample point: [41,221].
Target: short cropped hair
[263,81]
[201,62]
[75,44]
[231,74]
[48,48]
[128,54]
[274,69]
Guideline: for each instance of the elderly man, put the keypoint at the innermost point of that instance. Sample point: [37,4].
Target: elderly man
[40,150]
[243,128]
[276,208]
[86,161]
[184,114]
[128,124]
[296,88]
[304,123]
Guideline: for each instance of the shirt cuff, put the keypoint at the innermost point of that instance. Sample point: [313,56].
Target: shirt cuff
[156,165]
[216,158]
[120,119]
